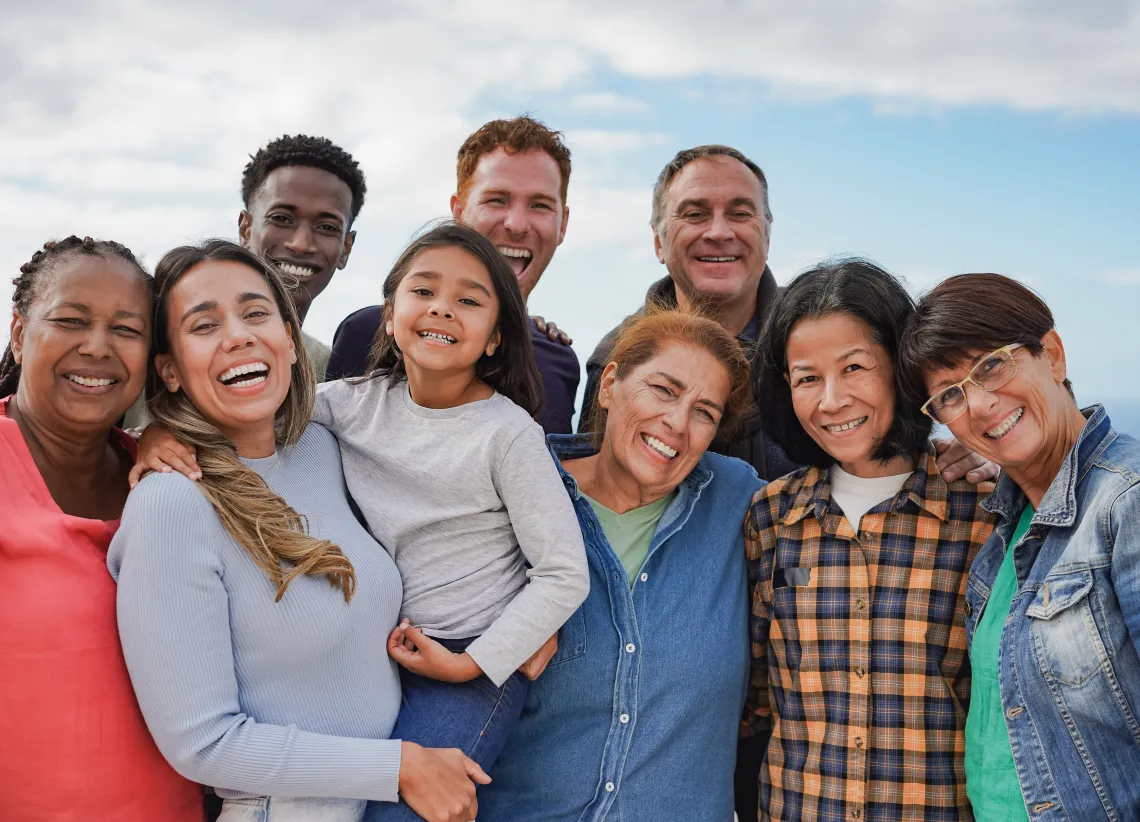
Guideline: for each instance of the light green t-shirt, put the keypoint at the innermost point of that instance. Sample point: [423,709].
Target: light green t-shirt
[991,778]
[629,534]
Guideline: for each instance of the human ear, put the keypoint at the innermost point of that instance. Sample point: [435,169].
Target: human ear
[16,337]
[1054,352]
[349,239]
[245,223]
[606,385]
[658,247]
[493,343]
[164,365]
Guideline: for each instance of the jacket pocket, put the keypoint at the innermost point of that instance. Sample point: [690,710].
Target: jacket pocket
[1066,639]
[571,638]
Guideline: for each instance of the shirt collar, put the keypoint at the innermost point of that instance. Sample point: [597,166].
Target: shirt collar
[1059,505]
[576,446]
[924,488]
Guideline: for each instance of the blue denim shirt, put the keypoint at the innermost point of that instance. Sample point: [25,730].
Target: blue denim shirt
[636,716]
[1069,668]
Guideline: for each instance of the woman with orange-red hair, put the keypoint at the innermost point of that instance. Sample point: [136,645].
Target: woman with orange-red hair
[636,715]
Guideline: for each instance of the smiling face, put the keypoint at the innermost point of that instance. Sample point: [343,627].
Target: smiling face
[662,416]
[83,346]
[300,218]
[230,349]
[1020,423]
[515,201]
[445,312]
[714,235]
[842,384]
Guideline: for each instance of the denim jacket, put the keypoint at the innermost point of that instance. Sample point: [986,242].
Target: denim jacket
[635,718]
[1069,667]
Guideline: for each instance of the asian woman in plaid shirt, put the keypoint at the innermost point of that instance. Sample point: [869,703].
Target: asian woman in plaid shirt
[857,565]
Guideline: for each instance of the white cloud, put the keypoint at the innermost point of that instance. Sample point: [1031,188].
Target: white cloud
[608,102]
[133,119]
[1123,277]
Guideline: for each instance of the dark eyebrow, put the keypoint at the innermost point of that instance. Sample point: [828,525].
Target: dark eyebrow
[293,209]
[691,203]
[435,275]
[208,305]
[745,201]
[212,305]
[680,386]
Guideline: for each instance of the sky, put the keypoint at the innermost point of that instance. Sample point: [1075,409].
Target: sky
[933,138]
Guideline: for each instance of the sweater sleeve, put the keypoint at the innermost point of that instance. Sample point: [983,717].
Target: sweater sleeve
[548,534]
[173,612]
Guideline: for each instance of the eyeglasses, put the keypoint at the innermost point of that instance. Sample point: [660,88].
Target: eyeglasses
[991,373]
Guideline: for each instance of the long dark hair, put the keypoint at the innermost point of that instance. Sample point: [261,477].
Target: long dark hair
[860,289]
[511,369]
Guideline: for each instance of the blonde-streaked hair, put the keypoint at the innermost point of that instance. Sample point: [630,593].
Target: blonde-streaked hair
[273,534]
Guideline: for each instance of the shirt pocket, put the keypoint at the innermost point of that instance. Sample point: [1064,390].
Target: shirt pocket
[795,610]
[571,638]
[1066,639]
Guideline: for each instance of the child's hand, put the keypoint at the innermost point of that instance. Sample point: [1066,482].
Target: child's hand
[532,669]
[160,451]
[422,655]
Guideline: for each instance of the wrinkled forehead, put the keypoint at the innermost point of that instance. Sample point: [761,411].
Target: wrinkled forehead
[92,280]
[531,173]
[716,178]
[938,377]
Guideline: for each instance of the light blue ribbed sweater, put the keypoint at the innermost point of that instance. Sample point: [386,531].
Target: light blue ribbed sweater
[252,696]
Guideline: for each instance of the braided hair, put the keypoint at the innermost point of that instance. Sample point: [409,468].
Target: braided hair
[52,253]
[302,150]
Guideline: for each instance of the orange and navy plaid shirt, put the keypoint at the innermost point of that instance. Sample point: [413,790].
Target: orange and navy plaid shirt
[859,667]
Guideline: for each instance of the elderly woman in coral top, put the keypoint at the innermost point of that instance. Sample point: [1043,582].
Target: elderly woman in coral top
[75,745]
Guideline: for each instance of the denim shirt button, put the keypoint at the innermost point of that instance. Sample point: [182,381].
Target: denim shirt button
[630,648]
[969,609]
[1014,713]
[644,577]
[624,719]
[609,787]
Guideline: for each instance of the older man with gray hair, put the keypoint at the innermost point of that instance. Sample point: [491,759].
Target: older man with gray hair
[711,226]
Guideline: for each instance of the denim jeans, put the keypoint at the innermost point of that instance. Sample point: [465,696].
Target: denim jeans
[474,716]
[290,809]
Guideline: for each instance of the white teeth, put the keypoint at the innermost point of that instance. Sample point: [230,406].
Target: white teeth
[258,380]
[295,270]
[847,426]
[717,259]
[515,252]
[1004,428]
[660,447]
[248,368]
[431,335]
[88,382]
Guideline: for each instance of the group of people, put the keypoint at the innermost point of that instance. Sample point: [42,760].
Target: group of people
[387,580]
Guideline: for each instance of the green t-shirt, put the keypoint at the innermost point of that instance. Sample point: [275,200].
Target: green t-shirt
[991,778]
[629,534]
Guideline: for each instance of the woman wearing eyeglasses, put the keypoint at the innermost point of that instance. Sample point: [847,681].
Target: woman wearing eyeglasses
[1053,600]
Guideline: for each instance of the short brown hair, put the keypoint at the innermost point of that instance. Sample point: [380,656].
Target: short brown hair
[642,336]
[688,155]
[517,135]
[968,313]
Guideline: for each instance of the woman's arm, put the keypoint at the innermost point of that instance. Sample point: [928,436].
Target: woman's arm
[1124,521]
[174,625]
[547,530]
[760,544]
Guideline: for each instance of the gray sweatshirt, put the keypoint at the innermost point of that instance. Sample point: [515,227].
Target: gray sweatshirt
[463,498]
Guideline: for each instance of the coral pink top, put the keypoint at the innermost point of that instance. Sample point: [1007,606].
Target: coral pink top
[73,744]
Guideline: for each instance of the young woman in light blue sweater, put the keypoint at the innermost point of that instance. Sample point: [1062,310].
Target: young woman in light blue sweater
[253,607]
[442,454]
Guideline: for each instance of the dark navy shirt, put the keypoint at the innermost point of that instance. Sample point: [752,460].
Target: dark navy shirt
[557,364]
